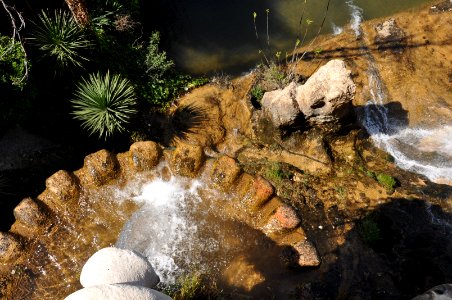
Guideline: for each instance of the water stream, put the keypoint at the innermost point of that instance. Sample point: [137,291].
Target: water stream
[427,151]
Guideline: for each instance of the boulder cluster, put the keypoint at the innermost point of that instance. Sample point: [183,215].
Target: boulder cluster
[116,274]
[326,97]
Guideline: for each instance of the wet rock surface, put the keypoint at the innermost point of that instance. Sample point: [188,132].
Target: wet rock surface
[371,244]
[187,159]
[145,155]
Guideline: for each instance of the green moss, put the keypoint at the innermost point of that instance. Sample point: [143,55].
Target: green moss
[389,182]
[276,173]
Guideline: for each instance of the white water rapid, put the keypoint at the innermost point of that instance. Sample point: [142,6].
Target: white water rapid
[426,151]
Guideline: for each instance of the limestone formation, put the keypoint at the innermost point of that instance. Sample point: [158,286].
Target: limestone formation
[281,106]
[29,213]
[327,95]
[144,155]
[390,35]
[187,160]
[63,185]
[113,265]
[100,167]
[117,292]
[10,247]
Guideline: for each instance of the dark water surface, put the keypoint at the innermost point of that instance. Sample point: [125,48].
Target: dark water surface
[208,36]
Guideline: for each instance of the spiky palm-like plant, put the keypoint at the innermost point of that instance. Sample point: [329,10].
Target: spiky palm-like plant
[59,37]
[104,104]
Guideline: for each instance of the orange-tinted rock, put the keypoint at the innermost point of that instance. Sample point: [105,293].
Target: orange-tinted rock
[29,213]
[63,185]
[145,155]
[10,247]
[262,192]
[187,159]
[100,167]
[287,217]
[225,172]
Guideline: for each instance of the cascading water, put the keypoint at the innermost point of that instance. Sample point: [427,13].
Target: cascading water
[427,151]
[356,14]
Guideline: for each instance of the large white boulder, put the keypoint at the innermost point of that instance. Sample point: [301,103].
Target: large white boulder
[113,265]
[117,292]
[281,106]
[327,95]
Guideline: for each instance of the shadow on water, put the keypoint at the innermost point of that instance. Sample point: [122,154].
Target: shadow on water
[400,250]
[395,116]
[168,128]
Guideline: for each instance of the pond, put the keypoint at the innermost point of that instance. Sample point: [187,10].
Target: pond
[212,36]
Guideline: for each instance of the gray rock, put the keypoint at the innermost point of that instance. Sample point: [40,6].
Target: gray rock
[117,292]
[390,36]
[113,265]
[440,292]
[327,95]
[281,106]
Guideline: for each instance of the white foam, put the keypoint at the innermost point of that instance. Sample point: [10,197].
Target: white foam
[336,29]
[162,229]
[426,151]
[356,14]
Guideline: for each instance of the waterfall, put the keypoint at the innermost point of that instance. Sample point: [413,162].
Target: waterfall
[163,229]
[426,151]
[356,15]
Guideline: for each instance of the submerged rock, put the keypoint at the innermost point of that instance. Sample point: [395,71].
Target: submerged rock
[327,95]
[440,292]
[117,292]
[113,265]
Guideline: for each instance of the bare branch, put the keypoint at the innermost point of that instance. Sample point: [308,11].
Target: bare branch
[17,24]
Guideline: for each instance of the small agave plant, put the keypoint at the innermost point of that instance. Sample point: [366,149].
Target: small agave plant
[105,104]
[57,35]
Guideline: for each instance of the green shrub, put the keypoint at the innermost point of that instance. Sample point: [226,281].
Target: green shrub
[12,62]
[257,92]
[157,64]
[104,104]
[192,287]
[161,91]
[59,37]
[389,182]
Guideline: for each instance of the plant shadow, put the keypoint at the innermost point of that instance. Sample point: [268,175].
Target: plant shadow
[177,125]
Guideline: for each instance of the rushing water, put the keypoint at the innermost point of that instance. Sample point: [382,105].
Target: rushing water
[208,36]
[426,151]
